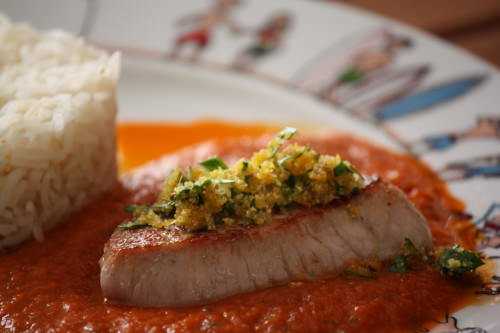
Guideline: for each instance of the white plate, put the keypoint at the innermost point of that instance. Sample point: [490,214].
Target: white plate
[414,92]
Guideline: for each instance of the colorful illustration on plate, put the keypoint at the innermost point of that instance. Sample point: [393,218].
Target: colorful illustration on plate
[201,26]
[365,79]
[489,224]
[267,39]
[450,325]
[483,166]
[351,64]
[486,127]
[363,63]
[383,88]
[362,74]
[427,98]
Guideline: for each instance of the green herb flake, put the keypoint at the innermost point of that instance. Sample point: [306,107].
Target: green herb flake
[283,160]
[400,265]
[410,249]
[171,182]
[291,181]
[135,209]
[287,133]
[244,165]
[213,163]
[452,261]
[341,169]
[339,189]
[182,192]
[228,209]
[275,144]
[403,262]
[130,208]
[456,261]
[164,209]
[130,225]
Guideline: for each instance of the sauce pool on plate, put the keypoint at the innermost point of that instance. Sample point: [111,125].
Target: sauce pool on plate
[55,284]
[142,142]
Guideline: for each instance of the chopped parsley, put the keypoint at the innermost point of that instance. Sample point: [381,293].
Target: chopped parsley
[134,224]
[456,261]
[244,165]
[400,265]
[131,208]
[287,133]
[452,261]
[341,169]
[283,160]
[213,163]
[403,262]
[249,192]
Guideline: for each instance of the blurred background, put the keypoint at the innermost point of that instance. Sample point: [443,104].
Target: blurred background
[471,24]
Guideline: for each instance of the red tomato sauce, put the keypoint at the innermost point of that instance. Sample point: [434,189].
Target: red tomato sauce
[54,285]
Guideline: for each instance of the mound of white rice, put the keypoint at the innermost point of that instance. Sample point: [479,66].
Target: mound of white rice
[57,128]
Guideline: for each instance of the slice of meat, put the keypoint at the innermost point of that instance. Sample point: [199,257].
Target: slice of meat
[157,267]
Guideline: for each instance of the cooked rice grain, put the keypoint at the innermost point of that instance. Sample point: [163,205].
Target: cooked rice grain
[57,128]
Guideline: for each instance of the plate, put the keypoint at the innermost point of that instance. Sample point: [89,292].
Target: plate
[307,63]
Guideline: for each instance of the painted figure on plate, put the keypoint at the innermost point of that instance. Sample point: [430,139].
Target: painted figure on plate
[347,69]
[363,75]
[484,128]
[201,27]
[427,98]
[267,39]
[484,166]
[364,62]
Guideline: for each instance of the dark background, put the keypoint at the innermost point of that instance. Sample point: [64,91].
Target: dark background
[471,24]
